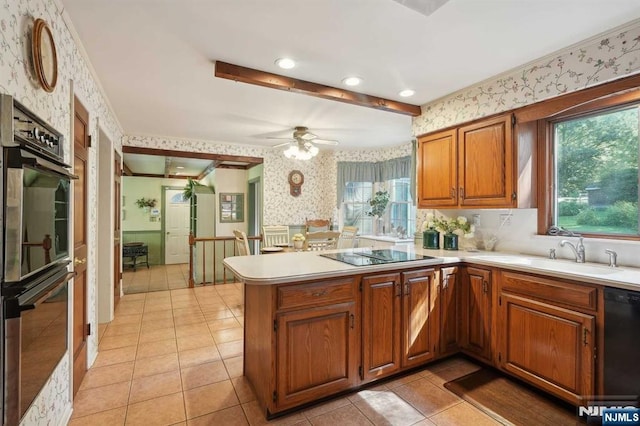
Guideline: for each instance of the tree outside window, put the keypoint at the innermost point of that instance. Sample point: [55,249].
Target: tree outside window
[596,172]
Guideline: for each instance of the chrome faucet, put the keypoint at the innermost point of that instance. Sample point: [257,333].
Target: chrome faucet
[613,258]
[578,249]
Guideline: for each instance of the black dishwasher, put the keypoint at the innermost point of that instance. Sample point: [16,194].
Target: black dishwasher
[621,342]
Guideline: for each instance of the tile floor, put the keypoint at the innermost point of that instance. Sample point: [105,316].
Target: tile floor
[155,278]
[175,357]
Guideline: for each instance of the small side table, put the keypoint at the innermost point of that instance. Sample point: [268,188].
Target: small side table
[133,251]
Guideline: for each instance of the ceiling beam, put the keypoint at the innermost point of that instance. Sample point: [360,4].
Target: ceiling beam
[209,169]
[198,155]
[276,81]
[153,175]
[167,166]
[127,171]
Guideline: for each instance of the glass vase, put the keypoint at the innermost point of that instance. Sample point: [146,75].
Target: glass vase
[431,239]
[450,241]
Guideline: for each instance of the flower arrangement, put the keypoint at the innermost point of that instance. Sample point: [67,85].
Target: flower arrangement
[378,204]
[297,237]
[459,226]
[146,202]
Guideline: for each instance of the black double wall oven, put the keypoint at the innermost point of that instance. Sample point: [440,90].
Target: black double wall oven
[36,194]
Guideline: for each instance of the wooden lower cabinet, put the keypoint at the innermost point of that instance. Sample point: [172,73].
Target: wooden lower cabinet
[317,353]
[450,310]
[477,312]
[550,346]
[399,321]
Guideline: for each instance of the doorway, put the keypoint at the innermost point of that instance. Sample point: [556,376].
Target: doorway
[254,208]
[176,227]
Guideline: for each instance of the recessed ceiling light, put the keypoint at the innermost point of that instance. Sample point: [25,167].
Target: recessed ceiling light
[352,81]
[179,167]
[286,63]
[406,93]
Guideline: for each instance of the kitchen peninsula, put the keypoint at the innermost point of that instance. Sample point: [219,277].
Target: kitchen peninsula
[315,327]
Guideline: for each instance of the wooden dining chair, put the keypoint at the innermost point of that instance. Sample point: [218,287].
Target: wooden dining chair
[321,240]
[348,237]
[316,225]
[242,245]
[275,234]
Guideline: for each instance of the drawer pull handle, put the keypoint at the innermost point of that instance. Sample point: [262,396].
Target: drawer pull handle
[445,282]
[398,290]
[453,193]
[584,336]
[485,287]
[320,293]
[353,321]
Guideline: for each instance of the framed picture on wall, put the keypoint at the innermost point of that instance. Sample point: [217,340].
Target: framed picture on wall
[231,207]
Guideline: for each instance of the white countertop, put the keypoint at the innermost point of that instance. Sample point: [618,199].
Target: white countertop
[301,266]
[387,238]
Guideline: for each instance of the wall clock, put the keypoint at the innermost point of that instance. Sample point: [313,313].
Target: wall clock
[296,179]
[45,58]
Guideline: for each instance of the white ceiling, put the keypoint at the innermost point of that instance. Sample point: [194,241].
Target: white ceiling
[155,58]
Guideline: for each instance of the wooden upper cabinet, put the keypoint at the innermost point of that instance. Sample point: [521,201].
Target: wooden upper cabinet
[437,170]
[469,167]
[486,164]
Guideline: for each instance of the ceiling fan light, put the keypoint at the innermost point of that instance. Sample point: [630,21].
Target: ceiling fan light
[286,63]
[407,92]
[313,151]
[352,81]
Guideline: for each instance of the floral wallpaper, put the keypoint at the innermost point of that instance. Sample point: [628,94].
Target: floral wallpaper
[16,79]
[606,58]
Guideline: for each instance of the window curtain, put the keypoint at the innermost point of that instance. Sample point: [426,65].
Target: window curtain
[414,177]
[367,171]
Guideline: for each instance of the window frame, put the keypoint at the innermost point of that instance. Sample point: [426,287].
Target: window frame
[546,189]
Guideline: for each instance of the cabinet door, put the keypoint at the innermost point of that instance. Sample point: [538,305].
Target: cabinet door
[550,347]
[477,308]
[449,310]
[381,318]
[317,353]
[486,166]
[436,165]
[419,317]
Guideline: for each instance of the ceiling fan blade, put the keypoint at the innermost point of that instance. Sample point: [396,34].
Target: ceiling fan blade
[284,139]
[308,136]
[325,141]
[281,144]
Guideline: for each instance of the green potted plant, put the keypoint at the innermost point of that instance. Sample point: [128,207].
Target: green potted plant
[378,205]
[146,203]
[193,187]
[452,228]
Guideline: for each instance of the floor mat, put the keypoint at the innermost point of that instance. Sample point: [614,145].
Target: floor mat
[509,401]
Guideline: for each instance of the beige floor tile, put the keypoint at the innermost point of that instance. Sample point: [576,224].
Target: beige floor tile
[326,407]
[463,414]
[119,330]
[154,316]
[113,417]
[210,398]
[156,335]
[91,401]
[156,348]
[369,392]
[165,410]
[192,357]
[127,319]
[228,335]
[102,328]
[156,365]
[150,387]
[114,342]
[347,415]
[231,349]
[232,416]
[108,375]
[244,390]
[192,329]
[195,341]
[403,380]
[234,366]
[188,319]
[156,324]
[115,356]
[256,416]
[203,374]
[428,398]
[218,314]
[157,307]
[128,297]
[222,324]
[387,408]
[440,377]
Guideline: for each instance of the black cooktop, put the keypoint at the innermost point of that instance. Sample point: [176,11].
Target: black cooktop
[375,257]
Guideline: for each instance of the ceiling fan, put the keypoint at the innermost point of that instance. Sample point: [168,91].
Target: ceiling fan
[302,143]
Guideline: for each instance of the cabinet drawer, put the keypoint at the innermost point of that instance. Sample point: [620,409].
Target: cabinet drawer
[577,295]
[316,293]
